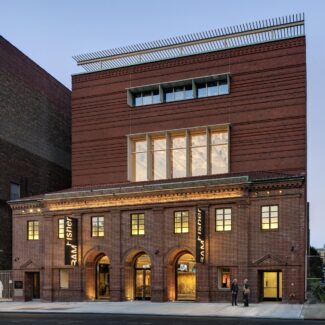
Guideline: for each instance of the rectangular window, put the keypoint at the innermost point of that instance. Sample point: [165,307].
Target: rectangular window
[64,278]
[198,154]
[219,152]
[181,153]
[181,224]
[179,90]
[139,160]
[61,228]
[33,230]
[178,156]
[223,219]
[137,224]
[146,97]
[14,191]
[223,278]
[270,217]
[159,158]
[97,226]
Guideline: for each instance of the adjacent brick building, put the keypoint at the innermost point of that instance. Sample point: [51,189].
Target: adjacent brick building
[35,139]
[188,170]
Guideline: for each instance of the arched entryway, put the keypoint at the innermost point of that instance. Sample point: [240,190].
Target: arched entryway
[102,278]
[185,271]
[142,281]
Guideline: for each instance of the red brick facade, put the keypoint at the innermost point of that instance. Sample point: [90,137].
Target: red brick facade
[35,140]
[266,111]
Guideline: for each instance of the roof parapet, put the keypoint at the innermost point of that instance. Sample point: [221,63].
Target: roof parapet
[203,42]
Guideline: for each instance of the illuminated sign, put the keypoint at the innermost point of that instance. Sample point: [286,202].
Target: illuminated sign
[200,236]
[71,241]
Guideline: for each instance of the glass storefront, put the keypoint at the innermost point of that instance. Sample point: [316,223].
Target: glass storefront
[186,278]
[142,277]
[102,269]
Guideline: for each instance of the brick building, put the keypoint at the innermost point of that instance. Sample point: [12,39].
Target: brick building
[188,170]
[35,139]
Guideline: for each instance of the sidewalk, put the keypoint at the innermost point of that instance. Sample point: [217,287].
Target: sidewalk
[262,310]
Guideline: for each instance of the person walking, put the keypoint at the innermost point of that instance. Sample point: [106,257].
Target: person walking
[246,292]
[234,292]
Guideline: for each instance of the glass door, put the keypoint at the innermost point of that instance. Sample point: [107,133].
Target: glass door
[143,278]
[103,278]
[272,285]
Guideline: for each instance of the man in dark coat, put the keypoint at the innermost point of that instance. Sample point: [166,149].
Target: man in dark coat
[234,292]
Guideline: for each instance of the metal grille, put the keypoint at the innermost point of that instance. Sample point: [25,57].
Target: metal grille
[214,40]
[6,285]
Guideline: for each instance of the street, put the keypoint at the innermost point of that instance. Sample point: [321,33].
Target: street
[96,319]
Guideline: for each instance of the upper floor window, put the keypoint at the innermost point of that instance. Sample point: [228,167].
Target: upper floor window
[270,217]
[14,191]
[181,222]
[33,230]
[137,224]
[213,85]
[180,153]
[97,226]
[223,219]
[61,228]
[146,97]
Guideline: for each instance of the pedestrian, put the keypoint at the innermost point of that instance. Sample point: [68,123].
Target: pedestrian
[246,292]
[234,292]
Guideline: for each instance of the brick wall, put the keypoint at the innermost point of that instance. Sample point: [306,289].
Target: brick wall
[35,139]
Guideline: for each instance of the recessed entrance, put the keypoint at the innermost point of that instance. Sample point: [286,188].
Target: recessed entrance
[271,285]
[102,278]
[186,278]
[32,290]
[142,281]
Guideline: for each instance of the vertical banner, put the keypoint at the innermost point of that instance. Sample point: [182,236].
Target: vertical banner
[200,236]
[71,241]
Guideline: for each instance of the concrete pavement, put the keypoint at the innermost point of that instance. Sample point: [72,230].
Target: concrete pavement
[261,310]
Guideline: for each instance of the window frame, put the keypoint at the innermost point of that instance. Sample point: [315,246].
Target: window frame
[223,220]
[220,273]
[209,131]
[33,222]
[165,87]
[60,282]
[188,222]
[138,224]
[98,231]
[60,233]
[269,217]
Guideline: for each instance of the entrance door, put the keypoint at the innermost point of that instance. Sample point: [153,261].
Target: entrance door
[102,271]
[186,278]
[272,285]
[32,290]
[143,277]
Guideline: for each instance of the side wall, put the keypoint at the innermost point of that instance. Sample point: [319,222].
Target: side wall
[35,139]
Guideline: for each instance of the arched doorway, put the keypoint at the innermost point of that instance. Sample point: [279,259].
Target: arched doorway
[185,277]
[102,278]
[142,283]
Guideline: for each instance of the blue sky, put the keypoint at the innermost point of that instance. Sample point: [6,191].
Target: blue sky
[50,32]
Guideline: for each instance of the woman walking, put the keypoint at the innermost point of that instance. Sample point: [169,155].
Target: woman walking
[246,292]
[234,292]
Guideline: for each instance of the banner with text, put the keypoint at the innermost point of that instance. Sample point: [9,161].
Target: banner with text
[200,236]
[71,241]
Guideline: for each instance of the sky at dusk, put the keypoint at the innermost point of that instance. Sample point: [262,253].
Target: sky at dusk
[51,32]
